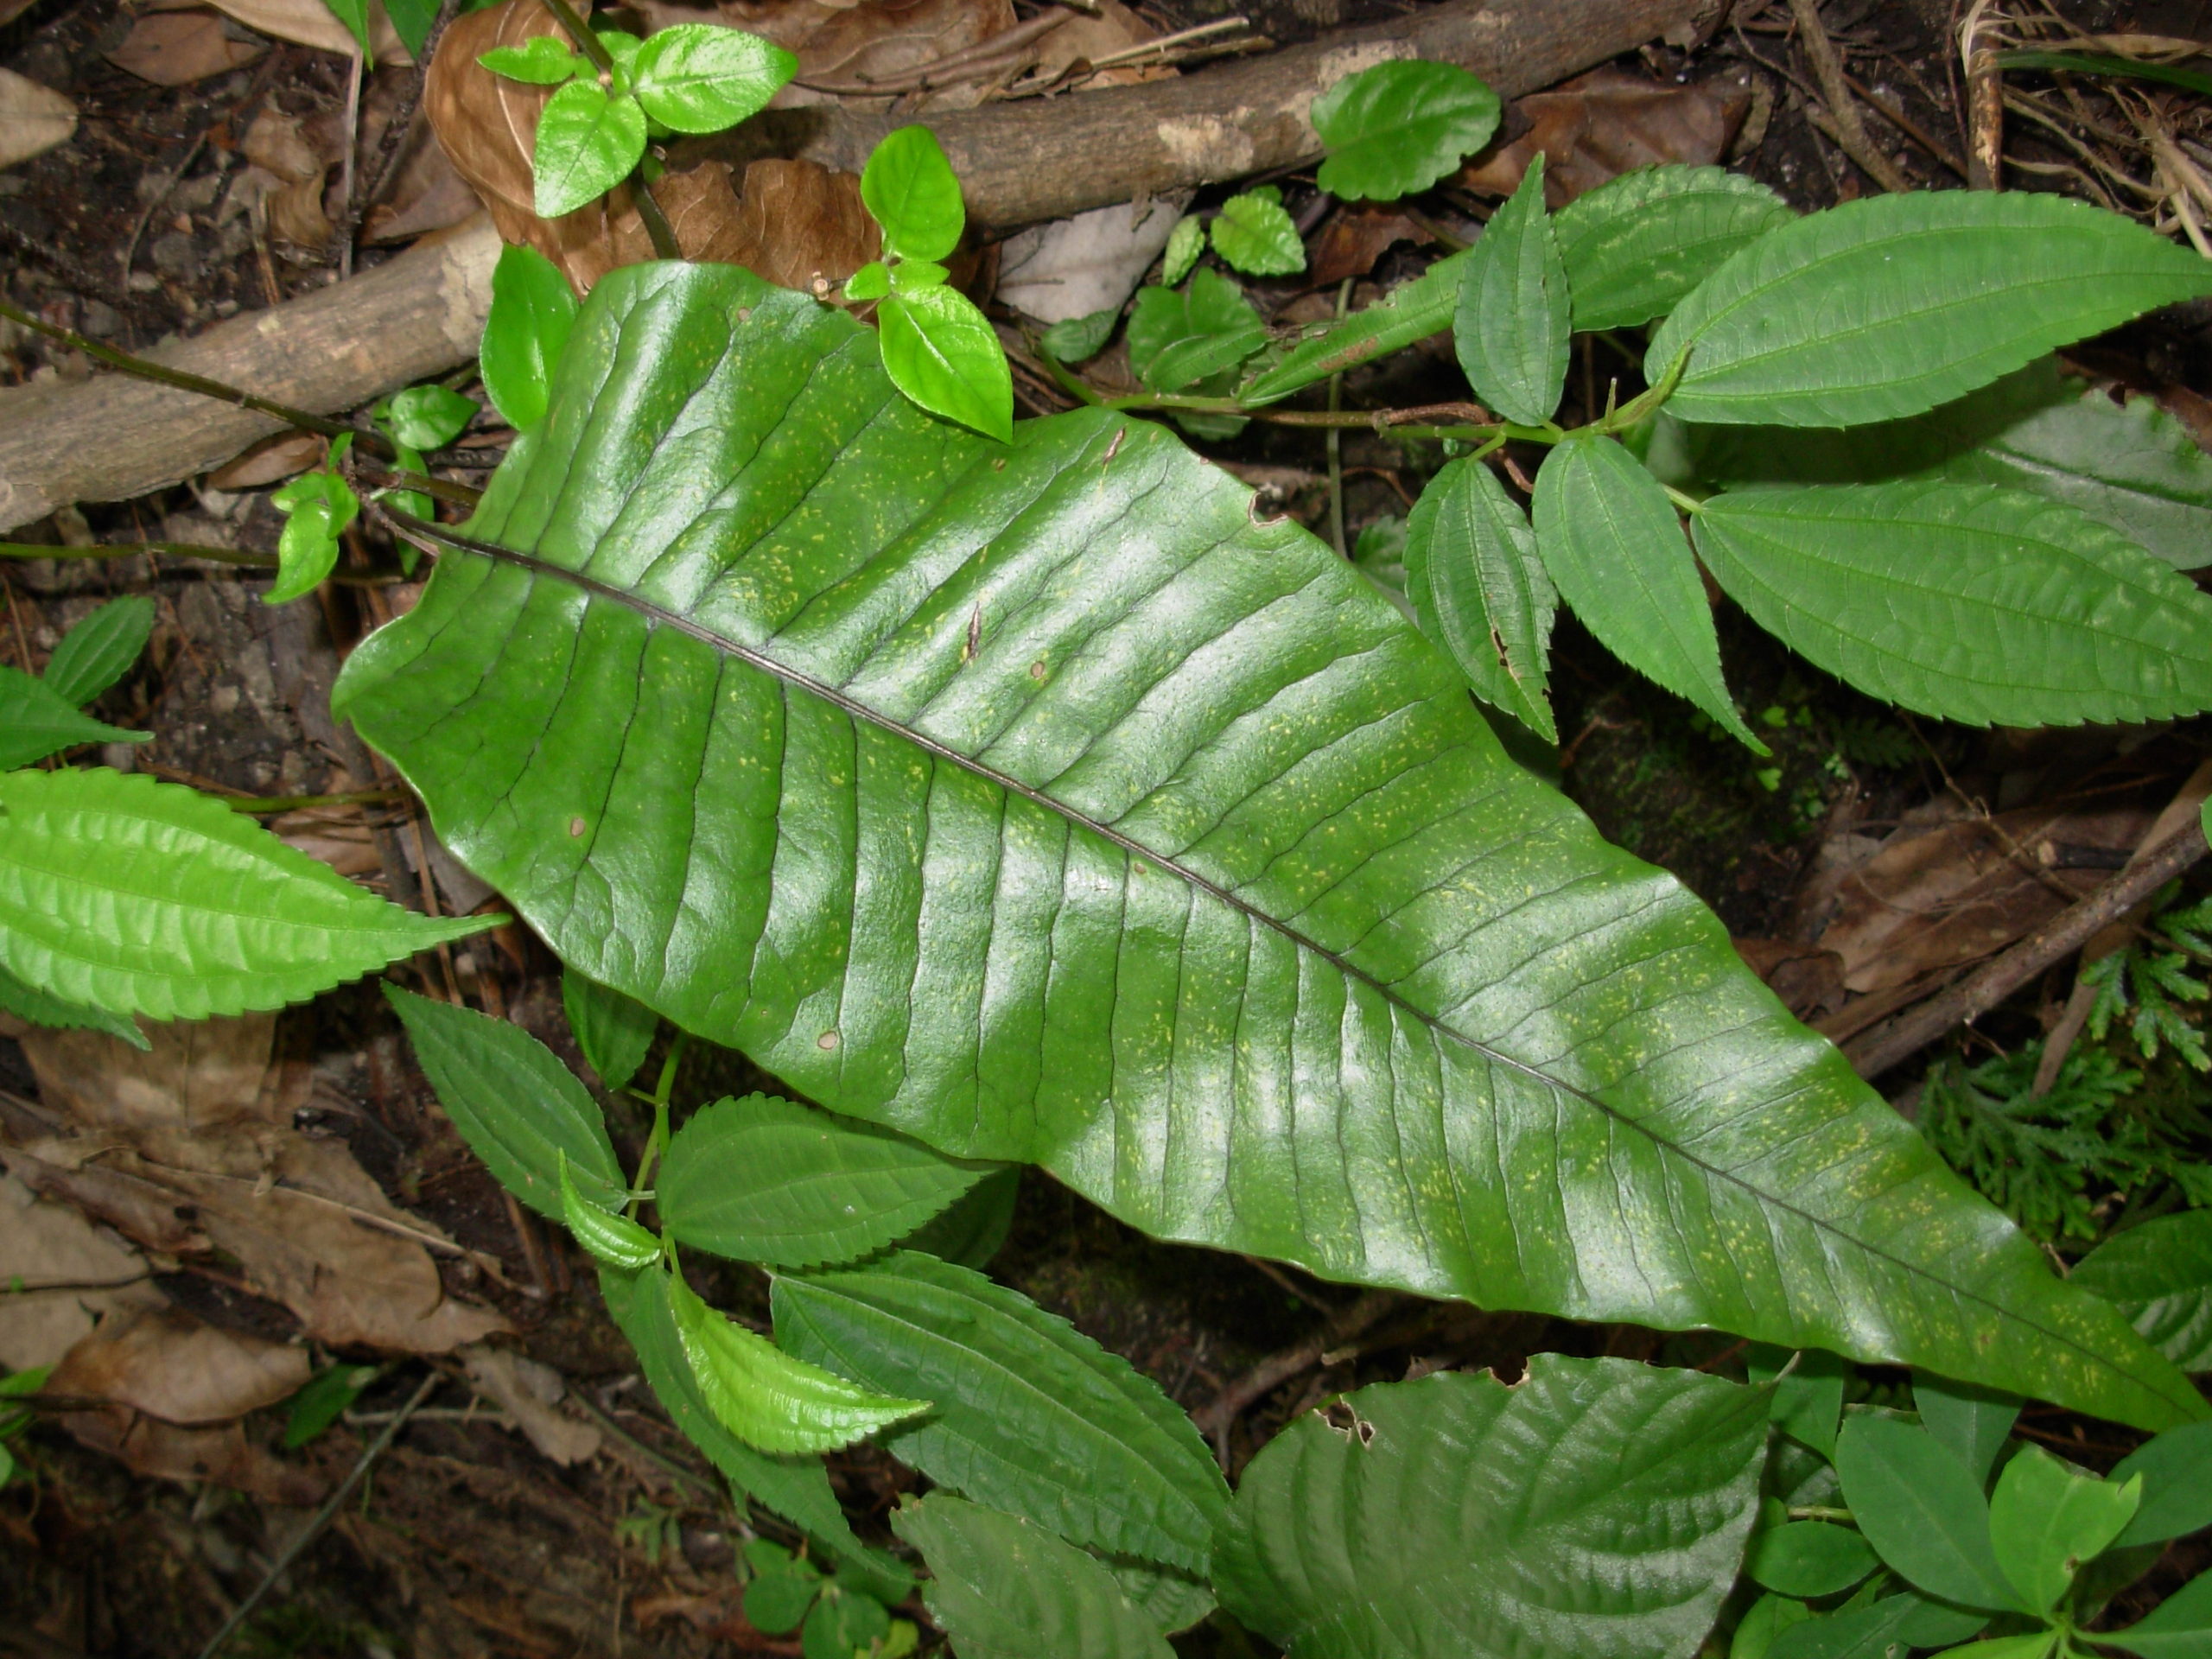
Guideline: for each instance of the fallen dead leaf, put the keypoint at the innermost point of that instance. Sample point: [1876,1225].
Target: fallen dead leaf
[883,41]
[279,142]
[32,119]
[798,223]
[1069,50]
[1092,262]
[44,1244]
[1600,126]
[1948,889]
[200,1122]
[1807,979]
[270,462]
[173,48]
[1355,237]
[311,22]
[172,1364]
[528,1392]
[147,1446]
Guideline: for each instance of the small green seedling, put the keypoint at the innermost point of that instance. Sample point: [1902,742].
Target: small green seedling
[317,507]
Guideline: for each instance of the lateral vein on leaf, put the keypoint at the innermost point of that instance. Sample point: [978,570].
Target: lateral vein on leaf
[792,678]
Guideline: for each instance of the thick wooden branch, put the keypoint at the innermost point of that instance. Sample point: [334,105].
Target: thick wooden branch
[111,438]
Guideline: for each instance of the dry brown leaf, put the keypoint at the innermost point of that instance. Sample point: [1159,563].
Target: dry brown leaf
[1940,893]
[150,1214]
[881,40]
[1355,237]
[528,1392]
[173,48]
[174,1365]
[200,1120]
[280,143]
[310,22]
[427,196]
[45,1244]
[271,463]
[147,1446]
[798,223]
[1085,40]
[32,119]
[1600,126]
[1807,979]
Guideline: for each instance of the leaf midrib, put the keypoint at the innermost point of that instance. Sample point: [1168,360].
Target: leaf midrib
[857,709]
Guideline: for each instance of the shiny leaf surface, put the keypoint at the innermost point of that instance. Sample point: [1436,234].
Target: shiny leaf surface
[2159,1274]
[98,650]
[1478,588]
[1397,128]
[1038,802]
[1510,327]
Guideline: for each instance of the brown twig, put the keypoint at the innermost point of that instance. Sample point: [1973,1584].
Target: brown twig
[1993,983]
[397,131]
[1278,1369]
[1985,103]
[1847,129]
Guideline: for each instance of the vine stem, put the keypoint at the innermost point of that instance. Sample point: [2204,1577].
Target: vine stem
[663,234]
[180,381]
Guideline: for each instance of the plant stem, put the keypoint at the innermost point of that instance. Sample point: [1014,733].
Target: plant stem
[1818,1512]
[656,1141]
[1336,444]
[132,549]
[579,31]
[180,381]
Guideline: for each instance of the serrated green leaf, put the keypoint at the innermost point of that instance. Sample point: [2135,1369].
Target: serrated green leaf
[763,1180]
[428,417]
[1074,340]
[1395,128]
[844,1624]
[1005,1588]
[1412,312]
[2176,1468]
[871,281]
[1610,540]
[140,897]
[763,1395]
[909,189]
[1480,589]
[51,1012]
[541,61]
[1510,327]
[1029,1416]
[532,311]
[1632,248]
[1972,1423]
[97,652]
[1171,1601]
[520,1108]
[1178,337]
[622,49]
[777,1602]
[613,1030]
[1980,604]
[1185,243]
[586,144]
[616,1240]
[1226,830]
[703,76]
[1922,1510]
[2159,1274]
[1893,304]
[941,352]
[2132,465]
[35,720]
[2180,1627]
[1596,1507]
[1808,1559]
[796,1489]
[973,1228]
[2046,1520]
[1255,235]
[909,276]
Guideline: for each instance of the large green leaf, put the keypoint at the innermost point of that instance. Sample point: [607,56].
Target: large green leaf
[762,1180]
[1414,311]
[1609,538]
[2160,1275]
[1005,1588]
[37,720]
[1029,1416]
[1632,248]
[2131,466]
[41,1009]
[795,1487]
[1977,604]
[140,897]
[1598,1509]
[518,1108]
[1893,304]
[1038,802]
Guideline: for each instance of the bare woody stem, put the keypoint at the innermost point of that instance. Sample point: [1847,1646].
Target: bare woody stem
[140,368]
